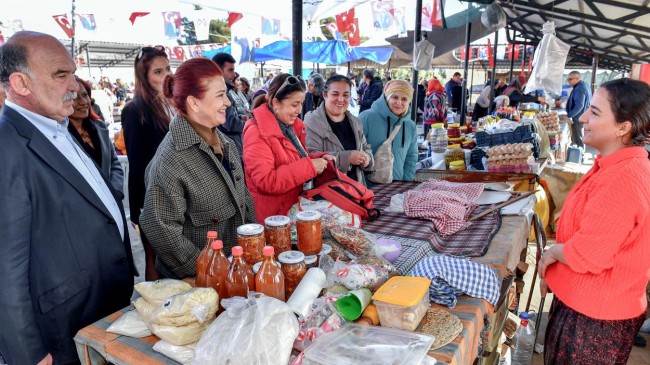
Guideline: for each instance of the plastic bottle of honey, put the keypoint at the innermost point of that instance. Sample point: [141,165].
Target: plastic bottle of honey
[203,260]
[237,277]
[218,269]
[269,279]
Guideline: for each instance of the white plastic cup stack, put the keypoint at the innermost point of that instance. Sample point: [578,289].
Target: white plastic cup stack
[307,291]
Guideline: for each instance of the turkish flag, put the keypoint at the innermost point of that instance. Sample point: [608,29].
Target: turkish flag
[436,14]
[179,53]
[489,54]
[233,18]
[136,15]
[354,39]
[345,19]
[64,23]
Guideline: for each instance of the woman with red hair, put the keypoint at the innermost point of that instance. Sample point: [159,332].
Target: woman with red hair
[435,105]
[91,134]
[195,182]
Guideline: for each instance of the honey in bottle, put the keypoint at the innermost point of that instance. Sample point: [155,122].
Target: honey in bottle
[203,260]
[237,277]
[218,270]
[269,279]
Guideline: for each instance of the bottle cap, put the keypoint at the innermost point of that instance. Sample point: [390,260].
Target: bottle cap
[217,245]
[291,257]
[237,251]
[212,234]
[308,215]
[251,229]
[453,125]
[277,220]
[437,125]
[268,251]
[524,315]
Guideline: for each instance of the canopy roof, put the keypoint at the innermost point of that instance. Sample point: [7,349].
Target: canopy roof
[617,31]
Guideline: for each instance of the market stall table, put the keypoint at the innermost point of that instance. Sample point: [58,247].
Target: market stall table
[96,346]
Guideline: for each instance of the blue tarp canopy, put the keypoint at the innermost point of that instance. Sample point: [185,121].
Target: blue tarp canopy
[211,53]
[331,52]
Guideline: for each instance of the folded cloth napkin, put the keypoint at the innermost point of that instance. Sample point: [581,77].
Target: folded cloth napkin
[451,277]
[447,204]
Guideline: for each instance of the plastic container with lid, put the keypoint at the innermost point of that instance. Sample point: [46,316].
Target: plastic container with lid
[293,268]
[278,233]
[454,153]
[251,238]
[402,302]
[453,130]
[310,235]
[438,138]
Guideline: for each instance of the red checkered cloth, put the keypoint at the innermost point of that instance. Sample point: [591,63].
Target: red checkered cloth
[447,204]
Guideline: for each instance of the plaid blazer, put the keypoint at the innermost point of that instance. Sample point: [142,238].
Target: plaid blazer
[189,192]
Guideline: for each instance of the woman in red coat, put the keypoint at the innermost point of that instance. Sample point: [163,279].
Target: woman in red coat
[276,162]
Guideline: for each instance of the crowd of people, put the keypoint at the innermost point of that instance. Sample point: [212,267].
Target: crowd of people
[205,156]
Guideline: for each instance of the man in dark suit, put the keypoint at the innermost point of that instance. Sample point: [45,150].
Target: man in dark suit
[65,254]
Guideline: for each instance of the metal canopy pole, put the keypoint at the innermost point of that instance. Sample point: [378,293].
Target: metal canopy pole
[297,36]
[594,68]
[512,54]
[494,70]
[468,33]
[417,34]
[72,44]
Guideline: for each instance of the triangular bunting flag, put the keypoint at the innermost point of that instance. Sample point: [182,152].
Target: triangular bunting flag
[136,15]
[233,18]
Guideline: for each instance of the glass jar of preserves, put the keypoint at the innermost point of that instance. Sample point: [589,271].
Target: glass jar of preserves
[438,140]
[251,238]
[311,261]
[278,233]
[458,140]
[293,268]
[454,153]
[310,235]
[453,130]
[469,144]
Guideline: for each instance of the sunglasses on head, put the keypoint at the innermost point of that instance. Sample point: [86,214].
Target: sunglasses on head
[291,80]
[153,49]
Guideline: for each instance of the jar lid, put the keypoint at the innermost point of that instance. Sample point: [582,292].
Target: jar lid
[403,291]
[291,257]
[256,266]
[453,125]
[457,163]
[308,215]
[311,259]
[450,147]
[250,229]
[325,250]
[457,139]
[463,128]
[277,220]
[437,125]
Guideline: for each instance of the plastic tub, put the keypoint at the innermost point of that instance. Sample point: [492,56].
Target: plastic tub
[402,302]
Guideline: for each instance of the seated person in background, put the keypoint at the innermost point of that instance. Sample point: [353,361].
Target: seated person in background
[275,158]
[195,182]
[332,129]
[91,134]
[387,113]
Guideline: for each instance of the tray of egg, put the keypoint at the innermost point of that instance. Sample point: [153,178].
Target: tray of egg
[512,157]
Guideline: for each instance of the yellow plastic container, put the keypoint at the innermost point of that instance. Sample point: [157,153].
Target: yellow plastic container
[402,302]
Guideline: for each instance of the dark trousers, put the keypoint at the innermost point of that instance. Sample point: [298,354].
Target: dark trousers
[577,132]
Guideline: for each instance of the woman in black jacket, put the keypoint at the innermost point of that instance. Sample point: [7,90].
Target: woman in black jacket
[145,120]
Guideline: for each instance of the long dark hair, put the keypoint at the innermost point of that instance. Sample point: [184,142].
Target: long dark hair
[148,97]
[275,86]
[630,102]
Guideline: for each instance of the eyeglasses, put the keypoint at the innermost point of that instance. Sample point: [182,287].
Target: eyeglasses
[153,49]
[291,80]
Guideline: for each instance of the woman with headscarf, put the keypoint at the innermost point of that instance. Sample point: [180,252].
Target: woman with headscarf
[91,134]
[276,161]
[435,105]
[387,113]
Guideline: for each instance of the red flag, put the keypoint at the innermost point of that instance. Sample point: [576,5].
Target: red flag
[345,19]
[136,15]
[233,18]
[530,65]
[354,39]
[436,14]
[516,55]
[179,53]
[64,23]
[462,54]
[490,55]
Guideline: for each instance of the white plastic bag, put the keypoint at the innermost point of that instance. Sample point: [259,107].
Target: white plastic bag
[182,354]
[157,292]
[548,62]
[130,324]
[257,330]
[423,55]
